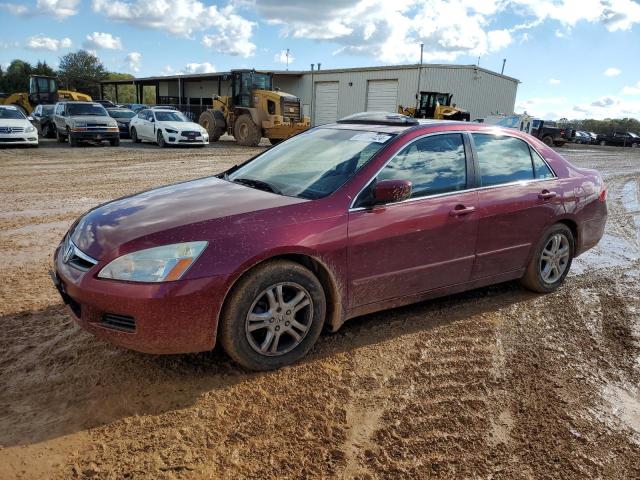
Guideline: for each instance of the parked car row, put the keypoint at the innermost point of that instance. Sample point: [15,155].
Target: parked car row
[618,139]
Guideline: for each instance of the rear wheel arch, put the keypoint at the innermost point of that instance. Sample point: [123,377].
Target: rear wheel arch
[327,278]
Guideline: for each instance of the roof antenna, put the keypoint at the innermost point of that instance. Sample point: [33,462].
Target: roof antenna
[504,61]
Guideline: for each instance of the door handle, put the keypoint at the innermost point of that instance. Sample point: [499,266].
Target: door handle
[461,210]
[546,195]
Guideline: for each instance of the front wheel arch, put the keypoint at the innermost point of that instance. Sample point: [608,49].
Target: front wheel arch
[335,316]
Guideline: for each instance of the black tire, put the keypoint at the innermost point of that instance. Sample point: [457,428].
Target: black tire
[47,131]
[603,143]
[214,123]
[134,135]
[73,141]
[246,294]
[275,141]
[247,133]
[548,140]
[61,138]
[160,139]
[533,277]
[114,142]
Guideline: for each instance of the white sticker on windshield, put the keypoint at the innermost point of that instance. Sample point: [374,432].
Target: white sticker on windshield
[371,137]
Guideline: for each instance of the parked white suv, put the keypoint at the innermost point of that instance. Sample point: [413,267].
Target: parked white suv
[166,127]
[15,127]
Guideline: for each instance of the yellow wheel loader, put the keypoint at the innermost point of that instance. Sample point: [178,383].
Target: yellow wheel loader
[254,110]
[42,90]
[436,105]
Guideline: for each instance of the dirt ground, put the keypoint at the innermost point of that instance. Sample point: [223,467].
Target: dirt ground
[493,383]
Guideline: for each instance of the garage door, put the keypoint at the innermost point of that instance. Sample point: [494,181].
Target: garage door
[382,96]
[326,105]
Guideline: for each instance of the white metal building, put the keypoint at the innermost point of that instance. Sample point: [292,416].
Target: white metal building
[328,95]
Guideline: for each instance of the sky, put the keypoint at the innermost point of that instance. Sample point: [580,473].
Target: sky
[575,58]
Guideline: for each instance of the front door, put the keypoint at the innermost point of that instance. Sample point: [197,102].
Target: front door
[518,199]
[420,244]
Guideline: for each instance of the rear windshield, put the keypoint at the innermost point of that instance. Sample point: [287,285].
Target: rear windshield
[47,109]
[86,109]
[312,164]
[11,114]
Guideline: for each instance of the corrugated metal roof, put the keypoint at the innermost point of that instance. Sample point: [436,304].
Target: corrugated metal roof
[298,73]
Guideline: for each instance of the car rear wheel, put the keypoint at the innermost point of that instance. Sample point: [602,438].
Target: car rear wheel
[273,316]
[548,141]
[602,143]
[46,130]
[551,261]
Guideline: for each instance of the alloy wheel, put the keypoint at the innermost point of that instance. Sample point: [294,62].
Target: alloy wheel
[555,258]
[279,319]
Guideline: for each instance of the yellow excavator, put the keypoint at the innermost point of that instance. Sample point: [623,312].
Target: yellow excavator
[254,110]
[42,90]
[436,105]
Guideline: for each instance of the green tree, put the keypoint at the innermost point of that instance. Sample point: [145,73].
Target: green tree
[42,68]
[16,78]
[127,92]
[82,71]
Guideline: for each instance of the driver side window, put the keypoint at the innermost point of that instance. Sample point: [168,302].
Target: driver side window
[434,164]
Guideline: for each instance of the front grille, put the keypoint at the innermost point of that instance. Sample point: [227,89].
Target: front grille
[188,133]
[97,125]
[11,129]
[291,110]
[123,323]
[75,257]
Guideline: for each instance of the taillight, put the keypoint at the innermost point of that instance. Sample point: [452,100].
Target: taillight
[603,194]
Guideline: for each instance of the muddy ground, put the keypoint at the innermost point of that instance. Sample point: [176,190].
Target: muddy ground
[493,383]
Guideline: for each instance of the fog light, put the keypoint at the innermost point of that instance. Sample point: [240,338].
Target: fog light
[172,139]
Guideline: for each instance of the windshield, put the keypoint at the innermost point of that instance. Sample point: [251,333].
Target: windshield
[11,114]
[261,81]
[122,113]
[631,134]
[170,117]
[86,109]
[47,109]
[313,164]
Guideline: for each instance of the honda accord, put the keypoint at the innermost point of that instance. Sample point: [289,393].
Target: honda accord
[372,212]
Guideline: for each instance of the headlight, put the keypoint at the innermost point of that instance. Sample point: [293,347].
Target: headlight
[158,264]
[30,129]
[112,124]
[170,130]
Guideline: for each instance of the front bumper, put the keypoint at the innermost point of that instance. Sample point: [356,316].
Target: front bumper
[95,136]
[19,138]
[161,318]
[179,139]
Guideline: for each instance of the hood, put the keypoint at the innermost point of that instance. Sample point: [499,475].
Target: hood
[180,126]
[14,122]
[173,213]
[122,120]
[90,118]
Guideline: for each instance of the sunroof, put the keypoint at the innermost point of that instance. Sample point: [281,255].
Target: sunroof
[379,118]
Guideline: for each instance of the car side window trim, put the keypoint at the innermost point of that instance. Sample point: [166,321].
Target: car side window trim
[469,169]
[473,180]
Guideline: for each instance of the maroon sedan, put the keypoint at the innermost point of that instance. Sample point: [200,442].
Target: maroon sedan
[373,212]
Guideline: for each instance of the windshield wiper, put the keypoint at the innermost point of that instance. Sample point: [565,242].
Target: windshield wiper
[259,184]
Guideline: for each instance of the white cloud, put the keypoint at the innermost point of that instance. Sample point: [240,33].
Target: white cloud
[57,8]
[14,8]
[205,67]
[612,72]
[553,108]
[281,57]
[98,40]
[391,31]
[633,90]
[40,42]
[133,60]
[554,81]
[224,30]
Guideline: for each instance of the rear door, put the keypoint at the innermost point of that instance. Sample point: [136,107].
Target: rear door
[519,197]
[143,126]
[422,243]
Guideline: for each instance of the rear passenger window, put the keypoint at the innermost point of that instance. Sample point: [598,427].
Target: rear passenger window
[434,164]
[540,168]
[502,159]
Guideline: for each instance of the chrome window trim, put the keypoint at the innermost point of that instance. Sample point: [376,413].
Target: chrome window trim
[469,157]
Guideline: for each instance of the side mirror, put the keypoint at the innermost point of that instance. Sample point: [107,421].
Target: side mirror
[30,118]
[389,191]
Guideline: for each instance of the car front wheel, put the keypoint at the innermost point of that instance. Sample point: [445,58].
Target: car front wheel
[551,261]
[273,316]
[161,142]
